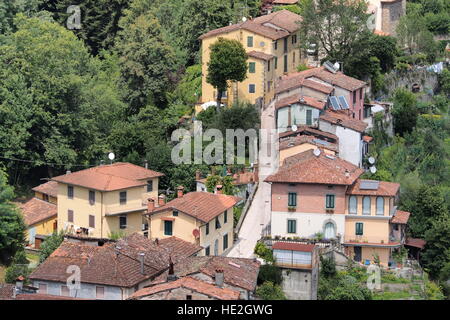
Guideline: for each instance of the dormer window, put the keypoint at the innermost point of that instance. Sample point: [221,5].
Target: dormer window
[149,186]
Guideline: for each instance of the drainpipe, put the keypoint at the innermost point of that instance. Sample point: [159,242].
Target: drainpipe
[101,213]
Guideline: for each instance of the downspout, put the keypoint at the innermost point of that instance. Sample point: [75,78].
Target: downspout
[101,212]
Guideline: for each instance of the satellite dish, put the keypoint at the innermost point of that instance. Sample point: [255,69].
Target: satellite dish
[196,233]
[317,152]
[373,170]
[111,156]
[337,66]
[294,128]
[372,160]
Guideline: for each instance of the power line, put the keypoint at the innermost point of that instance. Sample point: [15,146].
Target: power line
[40,163]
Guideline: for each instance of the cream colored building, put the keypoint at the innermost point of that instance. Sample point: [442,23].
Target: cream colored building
[202,218]
[108,199]
[271,42]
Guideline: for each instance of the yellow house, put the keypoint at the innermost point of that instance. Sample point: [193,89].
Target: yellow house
[271,43]
[368,216]
[107,199]
[202,218]
[40,213]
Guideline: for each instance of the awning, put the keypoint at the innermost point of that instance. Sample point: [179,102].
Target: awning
[118,213]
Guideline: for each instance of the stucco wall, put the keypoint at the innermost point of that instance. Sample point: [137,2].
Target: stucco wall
[87,290]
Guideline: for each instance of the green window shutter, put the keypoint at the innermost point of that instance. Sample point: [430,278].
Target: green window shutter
[285,63]
[249,41]
[168,228]
[359,229]
[225,217]
[225,242]
[292,226]
[308,117]
[251,67]
[276,62]
[330,201]
[292,199]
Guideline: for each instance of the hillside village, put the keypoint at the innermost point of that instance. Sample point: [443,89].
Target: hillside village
[347,198]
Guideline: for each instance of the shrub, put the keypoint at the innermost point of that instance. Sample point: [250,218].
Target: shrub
[262,251]
[270,291]
[50,244]
[269,273]
[18,267]
[116,235]
[328,267]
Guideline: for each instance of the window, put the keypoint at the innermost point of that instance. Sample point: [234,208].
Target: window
[225,242]
[291,226]
[91,221]
[70,215]
[251,67]
[285,47]
[366,205]
[294,39]
[42,288]
[329,201]
[91,197]
[70,192]
[175,213]
[188,297]
[268,65]
[275,45]
[352,205]
[359,229]
[45,197]
[149,186]
[207,229]
[285,63]
[309,117]
[225,217]
[217,223]
[293,57]
[168,226]
[354,97]
[329,232]
[249,41]
[251,88]
[123,222]
[99,292]
[65,292]
[123,197]
[380,206]
[292,199]
[207,251]
[276,62]
[360,94]
[367,112]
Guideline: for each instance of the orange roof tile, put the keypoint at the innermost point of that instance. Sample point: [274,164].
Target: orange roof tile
[50,188]
[342,119]
[204,206]
[190,283]
[285,20]
[387,189]
[109,177]
[300,99]
[292,246]
[415,242]
[293,141]
[400,217]
[308,130]
[297,80]
[305,167]
[260,55]
[36,210]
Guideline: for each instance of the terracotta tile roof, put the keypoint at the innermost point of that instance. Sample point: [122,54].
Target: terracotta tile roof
[50,188]
[239,178]
[204,206]
[193,284]
[387,189]
[338,79]
[109,177]
[294,246]
[415,242]
[400,217]
[309,130]
[305,167]
[6,291]
[296,80]
[293,141]
[180,248]
[341,119]
[36,210]
[238,272]
[285,2]
[115,264]
[368,139]
[300,99]
[284,20]
[260,55]
[372,244]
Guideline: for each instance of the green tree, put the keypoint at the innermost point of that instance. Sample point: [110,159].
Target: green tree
[436,253]
[50,244]
[8,9]
[349,289]
[270,291]
[12,226]
[405,111]
[335,26]
[327,267]
[228,62]
[18,267]
[227,184]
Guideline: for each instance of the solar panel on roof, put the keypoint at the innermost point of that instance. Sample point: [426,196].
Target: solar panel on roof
[369,185]
[343,102]
[334,103]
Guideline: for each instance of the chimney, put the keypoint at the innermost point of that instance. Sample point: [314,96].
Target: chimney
[219,278]
[198,175]
[157,241]
[68,172]
[141,258]
[219,189]
[180,191]
[145,164]
[171,275]
[150,205]
[19,284]
[162,200]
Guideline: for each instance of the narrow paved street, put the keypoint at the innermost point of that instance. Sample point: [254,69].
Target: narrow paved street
[258,216]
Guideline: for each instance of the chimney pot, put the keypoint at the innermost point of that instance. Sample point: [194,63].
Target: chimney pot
[141,258]
[180,191]
[150,205]
[219,278]
[68,172]
[19,283]
[162,200]
[219,189]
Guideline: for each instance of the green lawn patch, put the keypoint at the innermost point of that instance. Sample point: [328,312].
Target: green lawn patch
[391,295]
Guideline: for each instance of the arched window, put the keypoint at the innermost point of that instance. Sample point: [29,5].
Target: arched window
[353,205]
[329,232]
[366,205]
[380,206]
